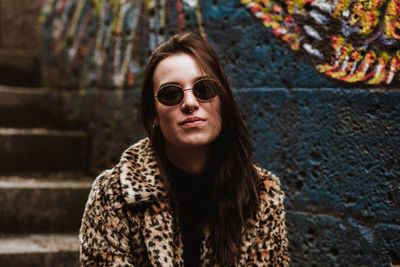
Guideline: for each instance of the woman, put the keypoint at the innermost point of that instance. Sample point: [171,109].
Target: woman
[189,194]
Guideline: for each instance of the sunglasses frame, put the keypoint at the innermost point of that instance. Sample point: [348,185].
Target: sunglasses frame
[183,90]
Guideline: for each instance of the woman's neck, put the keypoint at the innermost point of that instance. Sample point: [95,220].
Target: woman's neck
[191,160]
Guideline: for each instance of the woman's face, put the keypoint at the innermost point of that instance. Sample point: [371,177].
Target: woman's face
[192,122]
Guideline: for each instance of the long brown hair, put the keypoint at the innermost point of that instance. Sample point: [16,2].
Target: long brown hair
[234,187]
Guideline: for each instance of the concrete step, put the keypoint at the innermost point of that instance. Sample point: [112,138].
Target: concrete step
[19,67]
[61,176]
[26,150]
[24,107]
[37,206]
[59,250]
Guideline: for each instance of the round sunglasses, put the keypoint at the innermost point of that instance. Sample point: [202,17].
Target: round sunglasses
[172,94]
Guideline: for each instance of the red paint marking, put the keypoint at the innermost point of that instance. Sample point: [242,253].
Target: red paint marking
[181,17]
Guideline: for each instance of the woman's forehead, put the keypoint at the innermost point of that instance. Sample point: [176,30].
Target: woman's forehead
[177,68]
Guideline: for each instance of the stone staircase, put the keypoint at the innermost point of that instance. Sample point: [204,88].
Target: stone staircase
[43,186]
[43,156]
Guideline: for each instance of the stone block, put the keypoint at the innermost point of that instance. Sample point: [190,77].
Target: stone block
[19,68]
[39,250]
[19,24]
[26,150]
[111,122]
[387,245]
[36,206]
[29,107]
[320,240]
[59,259]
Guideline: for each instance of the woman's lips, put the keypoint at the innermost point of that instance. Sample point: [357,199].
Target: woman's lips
[192,122]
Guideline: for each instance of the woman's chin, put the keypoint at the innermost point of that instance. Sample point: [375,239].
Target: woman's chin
[192,142]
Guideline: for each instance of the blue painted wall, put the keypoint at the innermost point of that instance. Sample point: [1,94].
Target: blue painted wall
[335,147]
[337,154]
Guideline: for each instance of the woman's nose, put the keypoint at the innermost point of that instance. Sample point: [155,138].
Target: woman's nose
[189,102]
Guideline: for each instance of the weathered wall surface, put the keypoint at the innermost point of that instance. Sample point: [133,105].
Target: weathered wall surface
[19,42]
[336,152]
[19,18]
[334,144]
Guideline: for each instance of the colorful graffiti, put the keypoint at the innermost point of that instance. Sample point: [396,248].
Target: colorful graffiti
[351,41]
[107,42]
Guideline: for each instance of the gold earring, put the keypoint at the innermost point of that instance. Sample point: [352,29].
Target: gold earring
[155,124]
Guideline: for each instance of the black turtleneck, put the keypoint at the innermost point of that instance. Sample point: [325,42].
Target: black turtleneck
[192,193]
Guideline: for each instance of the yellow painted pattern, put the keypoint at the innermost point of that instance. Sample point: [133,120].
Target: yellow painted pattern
[372,20]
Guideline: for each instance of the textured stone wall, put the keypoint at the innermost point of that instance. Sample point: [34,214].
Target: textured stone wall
[19,42]
[19,25]
[335,144]
[337,153]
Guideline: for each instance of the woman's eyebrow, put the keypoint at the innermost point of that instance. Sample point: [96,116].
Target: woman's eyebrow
[200,78]
[178,83]
[169,83]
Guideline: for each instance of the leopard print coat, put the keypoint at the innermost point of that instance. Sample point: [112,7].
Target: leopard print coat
[128,220]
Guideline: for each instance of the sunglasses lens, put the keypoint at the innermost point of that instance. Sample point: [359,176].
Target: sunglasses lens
[205,89]
[170,95]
